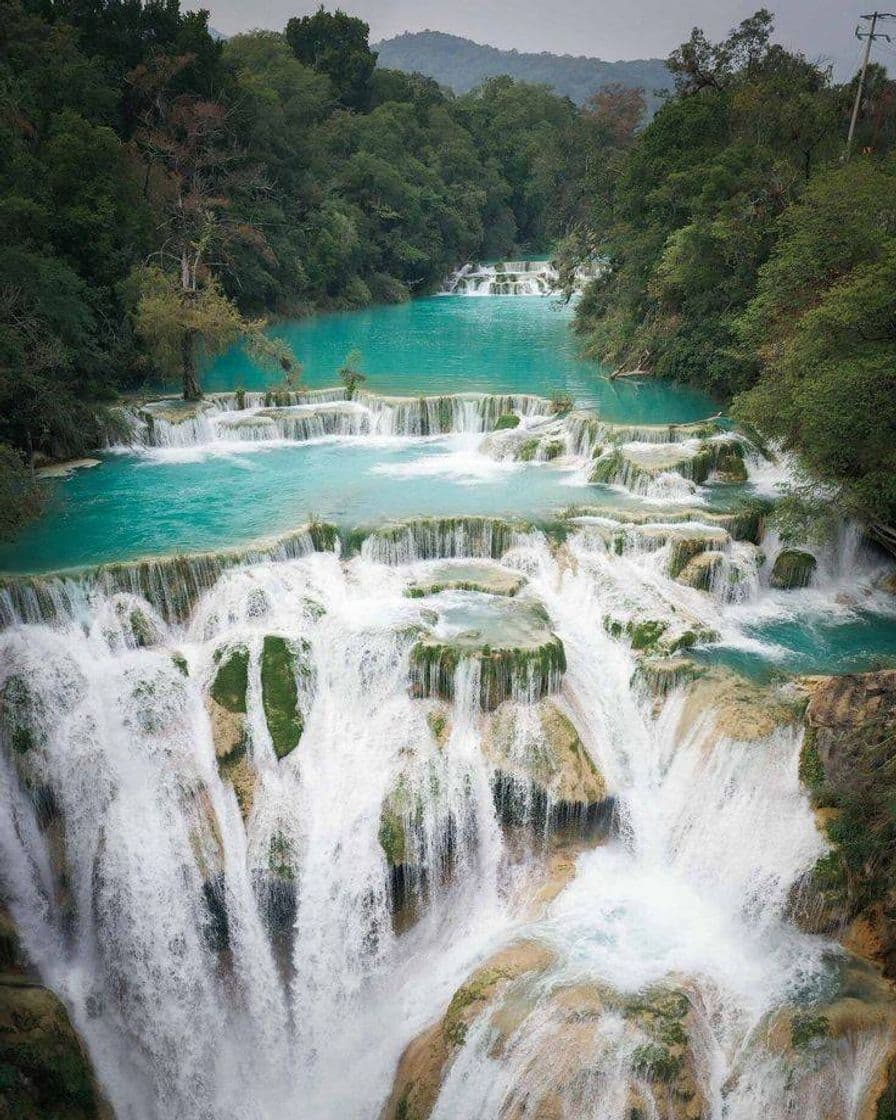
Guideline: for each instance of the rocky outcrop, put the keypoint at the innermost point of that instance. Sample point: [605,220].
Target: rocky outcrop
[544,777]
[418,1078]
[45,1071]
[560,1023]
[741,709]
[847,763]
[470,575]
[792,569]
[281,662]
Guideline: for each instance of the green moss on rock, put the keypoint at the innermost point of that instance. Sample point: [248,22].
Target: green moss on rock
[793,568]
[393,837]
[506,421]
[534,671]
[279,694]
[45,1073]
[232,679]
[528,450]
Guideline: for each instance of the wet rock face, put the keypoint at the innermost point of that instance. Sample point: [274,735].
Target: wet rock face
[792,569]
[544,779]
[847,765]
[44,1068]
[555,1031]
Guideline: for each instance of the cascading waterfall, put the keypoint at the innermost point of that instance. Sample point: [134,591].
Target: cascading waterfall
[202,848]
[508,278]
[299,417]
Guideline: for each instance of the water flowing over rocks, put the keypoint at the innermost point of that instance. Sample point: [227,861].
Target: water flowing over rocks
[466,805]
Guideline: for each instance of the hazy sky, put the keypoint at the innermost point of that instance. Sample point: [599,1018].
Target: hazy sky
[608,29]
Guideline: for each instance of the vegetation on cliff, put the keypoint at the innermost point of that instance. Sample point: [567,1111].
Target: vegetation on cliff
[747,258]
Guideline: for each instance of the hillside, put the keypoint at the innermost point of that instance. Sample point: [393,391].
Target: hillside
[462,65]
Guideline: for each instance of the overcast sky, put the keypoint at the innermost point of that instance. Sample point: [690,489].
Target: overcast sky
[608,29]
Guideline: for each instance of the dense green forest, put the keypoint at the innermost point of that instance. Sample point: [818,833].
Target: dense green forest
[462,65]
[161,193]
[750,257]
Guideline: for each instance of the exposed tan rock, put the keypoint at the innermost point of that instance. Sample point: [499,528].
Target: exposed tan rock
[423,1064]
[743,710]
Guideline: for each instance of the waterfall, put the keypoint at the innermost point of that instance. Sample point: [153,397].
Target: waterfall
[299,417]
[252,853]
[509,278]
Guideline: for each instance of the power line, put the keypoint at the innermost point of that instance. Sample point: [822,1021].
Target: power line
[869,37]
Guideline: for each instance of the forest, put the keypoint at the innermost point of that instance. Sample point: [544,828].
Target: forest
[462,65]
[163,193]
[753,256]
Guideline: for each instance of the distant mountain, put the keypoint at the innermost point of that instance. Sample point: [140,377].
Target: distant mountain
[462,64]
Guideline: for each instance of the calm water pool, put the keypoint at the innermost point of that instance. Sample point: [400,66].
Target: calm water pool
[451,344]
[130,507]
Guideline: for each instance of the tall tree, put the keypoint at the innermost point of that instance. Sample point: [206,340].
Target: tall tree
[336,44]
[198,168]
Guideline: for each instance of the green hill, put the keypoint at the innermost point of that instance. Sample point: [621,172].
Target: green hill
[462,65]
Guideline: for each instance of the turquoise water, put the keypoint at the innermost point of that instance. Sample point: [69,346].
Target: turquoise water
[865,641]
[161,503]
[130,507]
[450,344]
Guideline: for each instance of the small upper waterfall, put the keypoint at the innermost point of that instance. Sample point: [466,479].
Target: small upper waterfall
[505,278]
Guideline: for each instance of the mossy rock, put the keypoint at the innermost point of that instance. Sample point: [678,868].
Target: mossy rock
[553,449]
[662,675]
[467,576]
[143,632]
[685,548]
[506,421]
[324,536]
[504,673]
[424,1062]
[279,694]
[45,1073]
[793,569]
[528,449]
[700,571]
[729,461]
[393,836]
[231,679]
[555,784]
[18,711]
[607,467]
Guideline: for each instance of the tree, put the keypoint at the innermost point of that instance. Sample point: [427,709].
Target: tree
[184,139]
[178,325]
[336,45]
[350,373]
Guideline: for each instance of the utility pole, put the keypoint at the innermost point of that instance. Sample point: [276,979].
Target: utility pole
[869,37]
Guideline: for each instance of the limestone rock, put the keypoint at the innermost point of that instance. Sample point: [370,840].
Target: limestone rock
[792,569]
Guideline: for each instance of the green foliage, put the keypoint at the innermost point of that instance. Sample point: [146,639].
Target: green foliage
[232,680]
[747,259]
[463,65]
[21,498]
[336,45]
[507,420]
[350,373]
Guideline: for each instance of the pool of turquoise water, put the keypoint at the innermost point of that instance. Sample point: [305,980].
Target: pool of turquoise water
[812,645]
[451,344]
[130,507]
